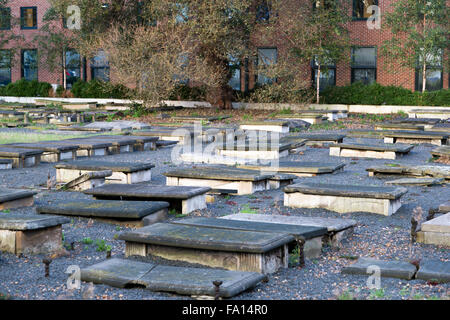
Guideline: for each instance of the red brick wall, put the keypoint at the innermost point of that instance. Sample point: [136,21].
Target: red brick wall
[358,29]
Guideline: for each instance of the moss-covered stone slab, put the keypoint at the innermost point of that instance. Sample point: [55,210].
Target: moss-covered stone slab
[344,198]
[298,168]
[127,210]
[230,249]
[14,198]
[185,281]
[30,234]
[386,151]
[388,269]
[51,152]
[22,158]
[417,121]
[122,172]
[400,126]
[415,171]
[443,151]
[184,199]
[434,271]
[416,137]
[416,181]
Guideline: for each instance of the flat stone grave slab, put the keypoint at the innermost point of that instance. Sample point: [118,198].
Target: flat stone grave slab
[144,143]
[440,127]
[445,207]
[88,148]
[386,151]
[6,164]
[435,231]
[367,133]
[165,143]
[400,126]
[416,171]
[172,134]
[416,181]
[51,151]
[338,229]
[280,180]
[243,180]
[118,212]
[13,198]
[265,150]
[344,198]
[312,236]
[22,158]
[122,172]
[201,118]
[262,252]
[388,269]
[310,117]
[320,138]
[268,125]
[120,144]
[207,158]
[433,114]
[332,115]
[419,121]
[443,151]
[183,199]
[434,270]
[30,234]
[124,273]
[121,125]
[416,137]
[299,168]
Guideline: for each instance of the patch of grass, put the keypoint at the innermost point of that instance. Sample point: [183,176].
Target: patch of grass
[246,209]
[294,256]
[21,137]
[6,211]
[377,294]
[87,241]
[392,164]
[285,111]
[102,246]
[247,117]
[346,295]
[404,291]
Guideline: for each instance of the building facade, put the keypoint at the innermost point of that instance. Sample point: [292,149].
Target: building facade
[21,59]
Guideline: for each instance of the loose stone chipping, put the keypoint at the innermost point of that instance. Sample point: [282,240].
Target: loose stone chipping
[186,281]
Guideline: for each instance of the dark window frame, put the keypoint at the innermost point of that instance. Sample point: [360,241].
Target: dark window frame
[9,65]
[354,11]
[313,73]
[102,67]
[35,17]
[22,64]
[68,66]
[419,69]
[5,12]
[264,11]
[257,64]
[363,67]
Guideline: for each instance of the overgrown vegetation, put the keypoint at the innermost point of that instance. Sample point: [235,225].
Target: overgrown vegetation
[376,94]
[25,88]
[99,89]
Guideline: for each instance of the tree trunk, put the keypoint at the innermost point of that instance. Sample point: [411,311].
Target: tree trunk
[318,84]
[424,77]
[64,71]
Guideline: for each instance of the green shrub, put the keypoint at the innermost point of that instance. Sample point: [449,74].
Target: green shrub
[187,93]
[376,94]
[25,88]
[99,89]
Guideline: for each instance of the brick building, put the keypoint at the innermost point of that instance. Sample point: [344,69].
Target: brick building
[25,17]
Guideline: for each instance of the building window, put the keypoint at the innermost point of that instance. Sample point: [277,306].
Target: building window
[327,75]
[263,11]
[434,74]
[361,9]
[5,67]
[29,64]
[5,18]
[235,68]
[266,57]
[28,18]
[73,67]
[364,65]
[100,67]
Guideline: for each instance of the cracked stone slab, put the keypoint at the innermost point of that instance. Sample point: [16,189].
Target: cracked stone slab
[304,232]
[434,270]
[388,269]
[103,208]
[439,224]
[331,224]
[416,181]
[7,194]
[186,281]
[23,222]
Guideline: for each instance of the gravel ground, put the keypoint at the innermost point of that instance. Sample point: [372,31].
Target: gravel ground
[375,236]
